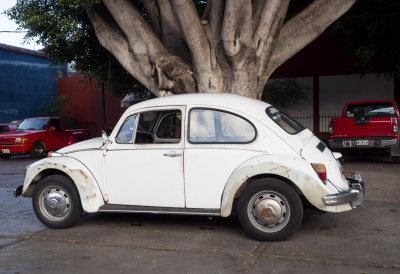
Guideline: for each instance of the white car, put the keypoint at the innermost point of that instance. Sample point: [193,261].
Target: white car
[204,154]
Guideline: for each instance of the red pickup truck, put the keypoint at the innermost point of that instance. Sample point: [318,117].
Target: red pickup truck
[35,136]
[367,125]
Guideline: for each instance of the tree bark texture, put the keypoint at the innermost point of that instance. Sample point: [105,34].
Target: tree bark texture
[233,47]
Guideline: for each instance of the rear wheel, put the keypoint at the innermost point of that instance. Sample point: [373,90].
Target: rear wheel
[270,210]
[37,150]
[396,159]
[56,202]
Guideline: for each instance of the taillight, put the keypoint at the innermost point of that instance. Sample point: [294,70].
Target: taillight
[320,169]
[395,129]
[331,124]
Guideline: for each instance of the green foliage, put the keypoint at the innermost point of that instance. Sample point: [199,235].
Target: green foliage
[371,30]
[284,93]
[57,107]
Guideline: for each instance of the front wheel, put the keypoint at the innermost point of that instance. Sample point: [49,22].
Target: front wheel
[37,150]
[56,202]
[270,210]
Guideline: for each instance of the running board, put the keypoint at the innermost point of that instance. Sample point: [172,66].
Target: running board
[159,210]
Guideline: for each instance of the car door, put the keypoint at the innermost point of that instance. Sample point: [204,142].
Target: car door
[218,142]
[144,162]
[56,137]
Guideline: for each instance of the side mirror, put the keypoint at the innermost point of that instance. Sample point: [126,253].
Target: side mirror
[104,136]
[51,129]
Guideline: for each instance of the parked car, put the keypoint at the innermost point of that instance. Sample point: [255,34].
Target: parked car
[11,126]
[202,154]
[35,136]
[367,125]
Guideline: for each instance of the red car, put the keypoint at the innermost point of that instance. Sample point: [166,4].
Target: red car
[367,125]
[35,136]
[11,126]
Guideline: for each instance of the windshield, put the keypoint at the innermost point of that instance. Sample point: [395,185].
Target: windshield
[33,124]
[290,125]
[370,110]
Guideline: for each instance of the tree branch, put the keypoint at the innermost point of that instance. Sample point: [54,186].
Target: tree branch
[237,25]
[269,13]
[114,40]
[153,10]
[305,27]
[208,79]
[168,71]
[172,36]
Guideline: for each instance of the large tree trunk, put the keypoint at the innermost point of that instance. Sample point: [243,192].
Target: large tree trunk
[234,47]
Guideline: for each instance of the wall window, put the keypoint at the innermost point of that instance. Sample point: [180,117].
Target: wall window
[214,126]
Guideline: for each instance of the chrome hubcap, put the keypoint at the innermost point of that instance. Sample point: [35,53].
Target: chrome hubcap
[269,211]
[54,203]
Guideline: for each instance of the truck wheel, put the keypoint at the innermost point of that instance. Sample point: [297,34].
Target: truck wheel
[396,159]
[270,210]
[37,150]
[56,202]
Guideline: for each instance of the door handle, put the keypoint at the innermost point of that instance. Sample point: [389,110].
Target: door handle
[173,154]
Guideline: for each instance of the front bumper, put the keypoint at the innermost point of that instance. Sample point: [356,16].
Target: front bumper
[354,196]
[15,149]
[362,143]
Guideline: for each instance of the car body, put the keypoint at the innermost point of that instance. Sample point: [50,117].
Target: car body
[367,125]
[35,136]
[206,154]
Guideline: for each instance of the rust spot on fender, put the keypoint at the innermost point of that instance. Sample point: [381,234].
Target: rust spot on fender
[92,196]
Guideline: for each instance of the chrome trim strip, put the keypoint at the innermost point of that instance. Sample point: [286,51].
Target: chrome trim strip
[158,210]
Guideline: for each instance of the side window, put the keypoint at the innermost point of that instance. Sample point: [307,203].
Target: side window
[157,127]
[126,132]
[56,124]
[213,126]
[170,126]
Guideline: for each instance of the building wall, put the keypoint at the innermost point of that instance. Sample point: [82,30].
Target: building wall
[85,104]
[26,81]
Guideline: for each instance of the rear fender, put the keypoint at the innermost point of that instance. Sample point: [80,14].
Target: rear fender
[88,188]
[296,170]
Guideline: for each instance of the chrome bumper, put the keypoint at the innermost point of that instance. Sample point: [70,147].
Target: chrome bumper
[355,196]
[17,191]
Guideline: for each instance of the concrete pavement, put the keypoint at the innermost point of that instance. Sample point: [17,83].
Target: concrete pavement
[365,240]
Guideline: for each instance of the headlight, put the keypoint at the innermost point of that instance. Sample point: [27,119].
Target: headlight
[53,154]
[21,140]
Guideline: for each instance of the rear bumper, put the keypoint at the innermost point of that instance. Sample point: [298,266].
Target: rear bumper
[371,143]
[354,196]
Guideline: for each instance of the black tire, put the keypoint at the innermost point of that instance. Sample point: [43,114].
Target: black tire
[37,150]
[4,157]
[396,159]
[63,208]
[277,203]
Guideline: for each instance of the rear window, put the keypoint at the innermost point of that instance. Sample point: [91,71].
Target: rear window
[290,125]
[370,110]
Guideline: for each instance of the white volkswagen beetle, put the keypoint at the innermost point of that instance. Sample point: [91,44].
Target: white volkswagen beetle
[205,154]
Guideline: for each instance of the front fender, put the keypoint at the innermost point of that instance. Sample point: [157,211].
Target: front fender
[88,188]
[294,169]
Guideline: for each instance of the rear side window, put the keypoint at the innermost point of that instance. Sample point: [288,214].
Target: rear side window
[370,110]
[290,125]
[215,126]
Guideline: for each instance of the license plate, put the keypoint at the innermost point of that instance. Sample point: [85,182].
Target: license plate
[6,150]
[362,142]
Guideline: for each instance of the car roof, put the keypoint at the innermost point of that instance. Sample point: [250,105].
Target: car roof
[232,101]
